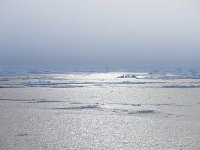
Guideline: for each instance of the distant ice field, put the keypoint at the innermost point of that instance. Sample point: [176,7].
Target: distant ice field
[107,109]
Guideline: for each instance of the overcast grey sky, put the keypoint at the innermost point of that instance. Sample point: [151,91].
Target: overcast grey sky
[100,32]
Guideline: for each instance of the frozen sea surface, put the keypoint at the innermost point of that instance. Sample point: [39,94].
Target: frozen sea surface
[142,109]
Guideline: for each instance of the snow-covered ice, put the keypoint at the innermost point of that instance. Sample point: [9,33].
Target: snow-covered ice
[99,110]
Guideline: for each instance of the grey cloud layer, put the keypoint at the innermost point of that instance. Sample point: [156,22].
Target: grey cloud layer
[94,31]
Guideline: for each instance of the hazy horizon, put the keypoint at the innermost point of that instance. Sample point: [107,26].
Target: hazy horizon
[156,32]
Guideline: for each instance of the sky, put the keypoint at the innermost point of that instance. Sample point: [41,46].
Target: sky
[165,32]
